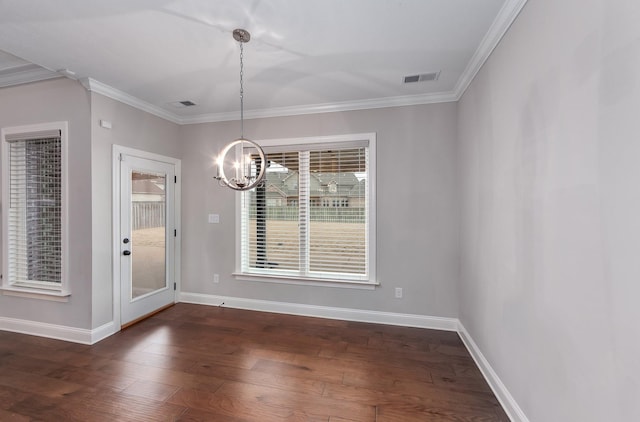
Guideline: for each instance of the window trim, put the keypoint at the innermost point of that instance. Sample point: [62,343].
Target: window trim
[48,292]
[336,141]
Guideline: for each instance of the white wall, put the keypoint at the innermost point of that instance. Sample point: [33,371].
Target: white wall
[134,129]
[49,101]
[550,226]
[417,216]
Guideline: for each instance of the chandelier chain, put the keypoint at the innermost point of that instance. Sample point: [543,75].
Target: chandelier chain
[241,90]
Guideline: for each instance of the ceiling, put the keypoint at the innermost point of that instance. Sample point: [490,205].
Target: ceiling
[304,56]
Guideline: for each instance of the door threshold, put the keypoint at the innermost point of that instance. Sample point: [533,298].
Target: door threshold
[143,317]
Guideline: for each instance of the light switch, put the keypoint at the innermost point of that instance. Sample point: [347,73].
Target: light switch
[214,218]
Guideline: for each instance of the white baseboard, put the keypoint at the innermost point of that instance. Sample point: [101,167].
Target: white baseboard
[390,318]
[103,332]
[59,332]
[507,401]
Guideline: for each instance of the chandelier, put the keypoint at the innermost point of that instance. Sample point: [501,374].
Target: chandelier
[241,164]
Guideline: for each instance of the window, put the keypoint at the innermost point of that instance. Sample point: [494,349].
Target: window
[33,195]
[313,218]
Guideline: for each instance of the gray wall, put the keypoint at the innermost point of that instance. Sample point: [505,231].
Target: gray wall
[537,163]
[416,194]
[90,189]
[417,216]
[49,101]
[134,129]
[550,228]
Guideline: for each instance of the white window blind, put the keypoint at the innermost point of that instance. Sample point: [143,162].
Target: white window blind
[35,207]
[311,217]
[338,226]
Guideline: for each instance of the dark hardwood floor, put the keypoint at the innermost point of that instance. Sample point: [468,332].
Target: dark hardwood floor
[200,363]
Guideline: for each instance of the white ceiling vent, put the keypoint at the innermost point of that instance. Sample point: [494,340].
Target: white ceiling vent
[423,77]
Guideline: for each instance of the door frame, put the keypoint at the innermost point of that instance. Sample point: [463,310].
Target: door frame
[118,150]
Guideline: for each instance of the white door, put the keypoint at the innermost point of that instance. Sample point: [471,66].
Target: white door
[147,236]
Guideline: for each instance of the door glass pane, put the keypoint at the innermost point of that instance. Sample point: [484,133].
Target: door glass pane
[148,205]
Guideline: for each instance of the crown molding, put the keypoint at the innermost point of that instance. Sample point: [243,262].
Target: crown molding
[499,27]
[25,74]
[441,97]
[93,85]
[507,15]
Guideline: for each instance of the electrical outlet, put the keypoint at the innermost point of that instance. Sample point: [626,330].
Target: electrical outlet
[398,292]
[216,278]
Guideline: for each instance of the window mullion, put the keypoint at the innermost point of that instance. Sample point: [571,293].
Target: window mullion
[303,209]
[244,230]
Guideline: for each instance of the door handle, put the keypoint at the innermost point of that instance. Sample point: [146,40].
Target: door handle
[126,252]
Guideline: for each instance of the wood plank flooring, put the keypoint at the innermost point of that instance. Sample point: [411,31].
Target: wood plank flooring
[201,363]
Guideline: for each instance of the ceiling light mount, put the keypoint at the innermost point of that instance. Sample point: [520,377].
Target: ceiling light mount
[248,167]
[241,35]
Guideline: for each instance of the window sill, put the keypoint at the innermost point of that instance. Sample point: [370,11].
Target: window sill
[32,293]
[298,281]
